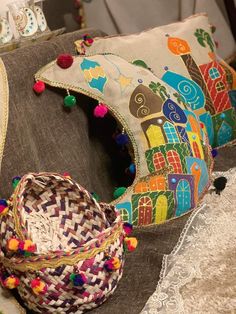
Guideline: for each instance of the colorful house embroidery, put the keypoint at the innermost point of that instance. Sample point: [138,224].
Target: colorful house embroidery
[215,78]
[168,155]
[126,211]
[183,188]
[152,207]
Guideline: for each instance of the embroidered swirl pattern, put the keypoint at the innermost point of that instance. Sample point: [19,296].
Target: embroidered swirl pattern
[143,110]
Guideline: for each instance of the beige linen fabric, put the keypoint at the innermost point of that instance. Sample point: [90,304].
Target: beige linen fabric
[151,45]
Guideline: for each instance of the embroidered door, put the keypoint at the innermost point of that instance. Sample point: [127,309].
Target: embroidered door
[159,161]
[196,150]
[183,195]
[196,172]
[161,209]
[155,136]
[145,210]
[174,160]
[224,134]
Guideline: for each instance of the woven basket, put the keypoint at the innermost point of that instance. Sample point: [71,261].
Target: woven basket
[73,235]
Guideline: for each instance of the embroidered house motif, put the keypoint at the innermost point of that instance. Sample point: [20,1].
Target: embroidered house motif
[203,80]
[208,91]
[173,160]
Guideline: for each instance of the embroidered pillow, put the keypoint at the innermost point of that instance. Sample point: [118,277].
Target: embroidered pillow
[171,153]
[184,56]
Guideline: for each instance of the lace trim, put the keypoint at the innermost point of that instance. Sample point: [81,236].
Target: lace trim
[200,259]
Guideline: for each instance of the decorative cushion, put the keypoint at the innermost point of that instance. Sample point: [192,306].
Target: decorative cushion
[171,152]
[183,55]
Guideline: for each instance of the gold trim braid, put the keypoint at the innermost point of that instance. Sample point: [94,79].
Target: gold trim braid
[65,260]
[4,107]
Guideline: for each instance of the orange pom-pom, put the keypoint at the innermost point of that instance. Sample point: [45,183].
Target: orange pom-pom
[38,286]
[112,264]
[13,244]
[11,282]
[131,244]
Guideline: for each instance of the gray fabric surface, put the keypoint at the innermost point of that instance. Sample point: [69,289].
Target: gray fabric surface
[41,135]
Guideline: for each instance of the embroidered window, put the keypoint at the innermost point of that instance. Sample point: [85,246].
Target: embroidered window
[196,150]
[220,86]
[214,73]
[159,161]
[174,160]
[170,133]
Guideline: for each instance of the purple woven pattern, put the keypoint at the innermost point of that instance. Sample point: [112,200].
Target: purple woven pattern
[70,229]
[62,296]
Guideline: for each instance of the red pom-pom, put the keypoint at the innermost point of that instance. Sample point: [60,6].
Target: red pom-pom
[65,61]
[39,87]
[100,111]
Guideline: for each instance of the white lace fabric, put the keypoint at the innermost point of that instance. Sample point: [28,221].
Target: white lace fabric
[199,276]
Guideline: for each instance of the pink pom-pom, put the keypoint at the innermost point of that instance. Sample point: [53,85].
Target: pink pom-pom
[39,87]
[100,111]
[65,61]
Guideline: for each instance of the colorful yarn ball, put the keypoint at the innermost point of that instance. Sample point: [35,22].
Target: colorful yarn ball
[69,101]
[39,87]
[15,181]
[11,282]
[65,61]
[122,139]
[67,175]
[132,168]
[27,246]
[88,40]
[78,279]
[3,207]
[119,192]
[214,152]
[131,244]
[128,228]
[100,111]
[38,286]
[112,264]
[13,244]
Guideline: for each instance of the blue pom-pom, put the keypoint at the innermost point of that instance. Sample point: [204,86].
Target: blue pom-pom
[122,139]
[3,202]
[132,168]
[214,152]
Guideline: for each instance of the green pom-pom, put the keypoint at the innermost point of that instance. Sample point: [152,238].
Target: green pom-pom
[72,277]
[15,181]
[119,192]
[69,101]
[94,195]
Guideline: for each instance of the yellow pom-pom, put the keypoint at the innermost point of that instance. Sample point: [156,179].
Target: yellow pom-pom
[13,244]
[11,282]
[131,243]
[38,286]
